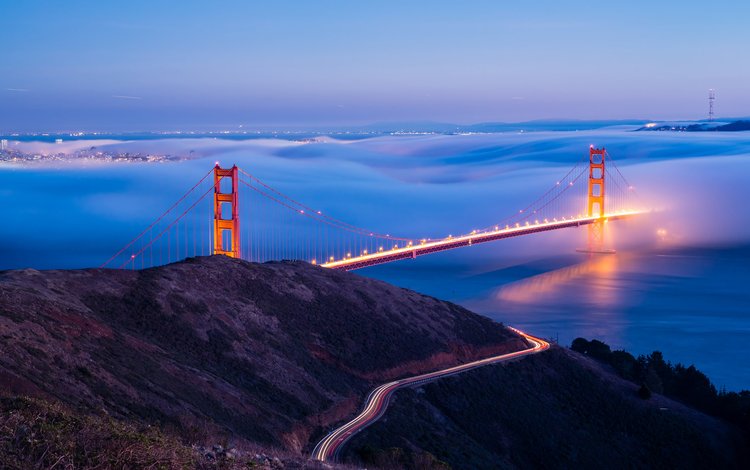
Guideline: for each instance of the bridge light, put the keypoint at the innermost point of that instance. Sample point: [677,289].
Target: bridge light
[506,227]
[380,249]
[496,228]
[536,222]
[364,252]
[332,258]
[517,224]
[348,255]
[301,212]
[571,184]
[313,262]
[527,223]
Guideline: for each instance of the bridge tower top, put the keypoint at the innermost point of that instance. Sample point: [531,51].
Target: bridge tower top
[226,223]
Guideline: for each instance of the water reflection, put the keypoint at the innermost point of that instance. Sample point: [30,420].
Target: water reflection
[684,302]
[596,268]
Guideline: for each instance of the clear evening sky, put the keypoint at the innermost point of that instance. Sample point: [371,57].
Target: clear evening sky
[150,65]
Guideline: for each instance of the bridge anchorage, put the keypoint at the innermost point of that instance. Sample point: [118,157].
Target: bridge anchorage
[283,228]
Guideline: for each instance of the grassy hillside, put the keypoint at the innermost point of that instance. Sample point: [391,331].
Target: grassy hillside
[557,409]
[273,353]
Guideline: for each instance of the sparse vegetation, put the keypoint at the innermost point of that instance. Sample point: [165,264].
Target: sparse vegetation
[38,434]
[396,458]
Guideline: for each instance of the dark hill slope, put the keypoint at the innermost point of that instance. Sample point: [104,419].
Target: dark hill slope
[274,353]
[557,409]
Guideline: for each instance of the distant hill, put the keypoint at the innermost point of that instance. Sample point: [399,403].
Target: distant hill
[344,132]
[708,126]
[494,127]
[734,126]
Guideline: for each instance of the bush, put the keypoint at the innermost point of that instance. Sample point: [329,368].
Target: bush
[594,348]
[644,392]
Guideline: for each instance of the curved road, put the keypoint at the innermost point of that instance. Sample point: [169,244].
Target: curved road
[377,400]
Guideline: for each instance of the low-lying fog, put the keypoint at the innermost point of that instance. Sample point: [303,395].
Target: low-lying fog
[677,284]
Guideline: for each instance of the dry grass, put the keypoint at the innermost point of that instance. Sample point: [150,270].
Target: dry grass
[38,434]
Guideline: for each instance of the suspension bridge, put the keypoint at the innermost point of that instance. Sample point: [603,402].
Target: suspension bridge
[275,226]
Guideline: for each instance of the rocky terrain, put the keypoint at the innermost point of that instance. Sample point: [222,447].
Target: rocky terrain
[274,354]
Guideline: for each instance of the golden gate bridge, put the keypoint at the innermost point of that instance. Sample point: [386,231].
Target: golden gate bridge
[232,212]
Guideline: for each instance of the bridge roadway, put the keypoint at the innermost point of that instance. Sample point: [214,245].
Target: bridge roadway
[427,247]
[377,401]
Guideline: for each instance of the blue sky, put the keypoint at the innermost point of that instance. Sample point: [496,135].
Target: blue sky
[140,65]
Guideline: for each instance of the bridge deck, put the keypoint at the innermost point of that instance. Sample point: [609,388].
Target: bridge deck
[427,247]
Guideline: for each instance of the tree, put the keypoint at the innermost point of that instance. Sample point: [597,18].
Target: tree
[580,345]
[624,364]
[599,350]
[653,382]
[644,392]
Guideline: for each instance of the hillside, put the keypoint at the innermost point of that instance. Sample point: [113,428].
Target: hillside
[273,353]
[271,356]
[558,409]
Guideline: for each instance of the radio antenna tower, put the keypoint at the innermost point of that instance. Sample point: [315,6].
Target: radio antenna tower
[711,99]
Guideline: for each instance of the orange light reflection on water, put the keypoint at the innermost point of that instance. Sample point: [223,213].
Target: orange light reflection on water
[599,289]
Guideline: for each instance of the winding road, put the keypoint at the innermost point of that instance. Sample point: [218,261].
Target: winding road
[377,401]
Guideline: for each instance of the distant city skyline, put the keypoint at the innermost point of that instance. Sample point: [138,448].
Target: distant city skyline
[85,65]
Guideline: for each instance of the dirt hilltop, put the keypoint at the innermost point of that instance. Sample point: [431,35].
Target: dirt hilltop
[274,353]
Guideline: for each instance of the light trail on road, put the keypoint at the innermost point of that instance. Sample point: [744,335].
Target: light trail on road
[377,401]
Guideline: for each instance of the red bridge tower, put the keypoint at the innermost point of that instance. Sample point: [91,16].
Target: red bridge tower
[595,201]
[229,245]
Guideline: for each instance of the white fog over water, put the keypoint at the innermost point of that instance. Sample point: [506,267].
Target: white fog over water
[677,283]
